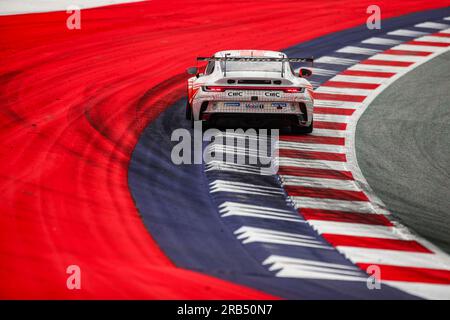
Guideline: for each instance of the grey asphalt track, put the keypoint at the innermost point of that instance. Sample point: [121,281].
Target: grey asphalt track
[403,149]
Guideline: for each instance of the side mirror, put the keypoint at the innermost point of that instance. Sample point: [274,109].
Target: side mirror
[192,70]
[304,73]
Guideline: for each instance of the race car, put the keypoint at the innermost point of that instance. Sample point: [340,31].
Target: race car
[257,87]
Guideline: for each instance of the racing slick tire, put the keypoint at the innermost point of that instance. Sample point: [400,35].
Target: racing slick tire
[301,129]
[205,125]
[188,111]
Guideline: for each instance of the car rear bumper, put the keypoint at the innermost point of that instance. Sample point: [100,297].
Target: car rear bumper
[275,107]
[256,114]
[254,120]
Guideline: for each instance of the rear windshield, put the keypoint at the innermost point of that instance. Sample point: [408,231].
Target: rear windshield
[249,66]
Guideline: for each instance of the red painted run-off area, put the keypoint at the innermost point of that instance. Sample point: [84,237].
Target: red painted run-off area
[72,106]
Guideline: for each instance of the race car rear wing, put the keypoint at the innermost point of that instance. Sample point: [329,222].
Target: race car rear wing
[261,59]
[256,59]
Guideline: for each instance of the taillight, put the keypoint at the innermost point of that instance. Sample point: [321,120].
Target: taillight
[222,89]
[214,89]
[293,90]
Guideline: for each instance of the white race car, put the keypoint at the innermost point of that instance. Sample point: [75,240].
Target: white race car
[255,86]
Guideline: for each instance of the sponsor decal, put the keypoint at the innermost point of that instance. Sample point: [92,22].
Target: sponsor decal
[232,104]
[254,105]
[273,94]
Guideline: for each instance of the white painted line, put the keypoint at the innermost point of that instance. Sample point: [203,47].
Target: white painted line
[418,48]
[243,206]
[316,164]
[246,188]
[406,33]
[358,50]
[266,216]
[230,167]
[310,146]
[297,261]
[252,234]
[229,183]
[434,39]
[335,60]
[371,67]
[423,290]
[392,57]
[275,233]
[336,104]
[302,272]
[328,133]
[332,204]
[431,25]
[350,91]
[230,152]
[288,267]
[320,183]
[228,209]
[354,229]
[331,118]
[395,258]
[358,79]
[381,41]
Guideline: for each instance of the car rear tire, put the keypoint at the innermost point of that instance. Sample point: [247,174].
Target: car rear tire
[188,111]
[302,129]
[205,125]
